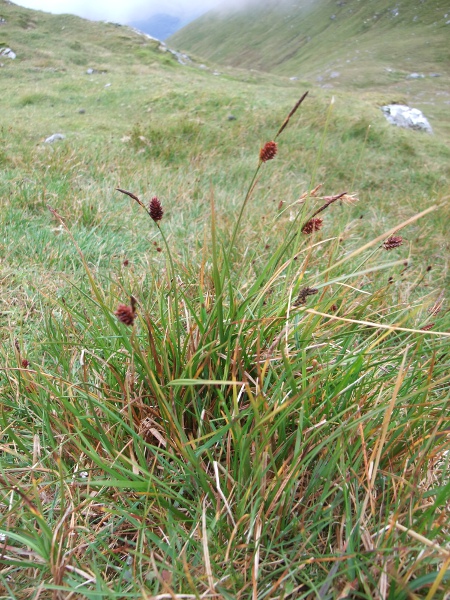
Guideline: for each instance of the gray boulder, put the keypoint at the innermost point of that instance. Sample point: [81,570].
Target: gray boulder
[404,116]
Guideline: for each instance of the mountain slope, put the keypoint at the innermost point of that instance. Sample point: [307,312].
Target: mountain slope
[302,38]
[57,41]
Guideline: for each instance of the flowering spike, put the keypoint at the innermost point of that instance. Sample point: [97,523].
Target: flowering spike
[312,225]
[155,209]
[393,242]
[127,314]
[304,293]
[268,151]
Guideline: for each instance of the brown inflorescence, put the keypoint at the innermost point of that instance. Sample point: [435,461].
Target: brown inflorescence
[312,225]
[25,363]
[304,293]
[155,209]
[393,242]
[126,314]
[428,327]
[268,151]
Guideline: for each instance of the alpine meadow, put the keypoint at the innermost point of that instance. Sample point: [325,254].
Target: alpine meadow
[225,331]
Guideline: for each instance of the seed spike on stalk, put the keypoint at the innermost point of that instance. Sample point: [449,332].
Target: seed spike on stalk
[127,314]
[393,242]
[291,114]
[268,151]
[131,196]
[155,210]
[312,225]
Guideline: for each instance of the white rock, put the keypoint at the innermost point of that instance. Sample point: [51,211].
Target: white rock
[404,116]
[55,137]
[7,52]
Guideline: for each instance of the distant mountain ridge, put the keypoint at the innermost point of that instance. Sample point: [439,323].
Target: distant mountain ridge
[303,38]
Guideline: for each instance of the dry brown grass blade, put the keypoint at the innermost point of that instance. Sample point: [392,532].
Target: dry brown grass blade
[422,539]
[206,555]
[376,325]
[437,581]
[255,573]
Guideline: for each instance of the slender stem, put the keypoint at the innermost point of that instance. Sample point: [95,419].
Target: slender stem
[216,274]
[252,184]
[175,290]
[244,204]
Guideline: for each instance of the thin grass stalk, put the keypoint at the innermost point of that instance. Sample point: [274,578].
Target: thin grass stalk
[244,204]
[176,300]
[216,275]
[297,235]
[253,182]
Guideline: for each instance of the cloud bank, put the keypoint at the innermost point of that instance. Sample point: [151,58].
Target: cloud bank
[124,11]
[121,10]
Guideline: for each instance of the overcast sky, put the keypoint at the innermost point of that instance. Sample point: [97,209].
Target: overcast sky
[121,11]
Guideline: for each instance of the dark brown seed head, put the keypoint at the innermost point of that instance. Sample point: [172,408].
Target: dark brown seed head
[312,225]
[155,209]
[428,327]
[126,314]
[393,242]
[25,363]
[304,293]
[268,151]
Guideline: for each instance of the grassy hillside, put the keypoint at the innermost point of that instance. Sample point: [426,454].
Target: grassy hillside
[369,46]
[266,418]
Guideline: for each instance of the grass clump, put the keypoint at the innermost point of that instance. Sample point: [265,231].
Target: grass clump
[260,418]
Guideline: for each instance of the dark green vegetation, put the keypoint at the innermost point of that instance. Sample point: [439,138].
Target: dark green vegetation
[373,45]
[245,437]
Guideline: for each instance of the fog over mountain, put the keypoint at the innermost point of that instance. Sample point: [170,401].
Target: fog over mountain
[125,11]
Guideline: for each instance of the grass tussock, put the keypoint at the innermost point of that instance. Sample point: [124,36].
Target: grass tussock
[264,417]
